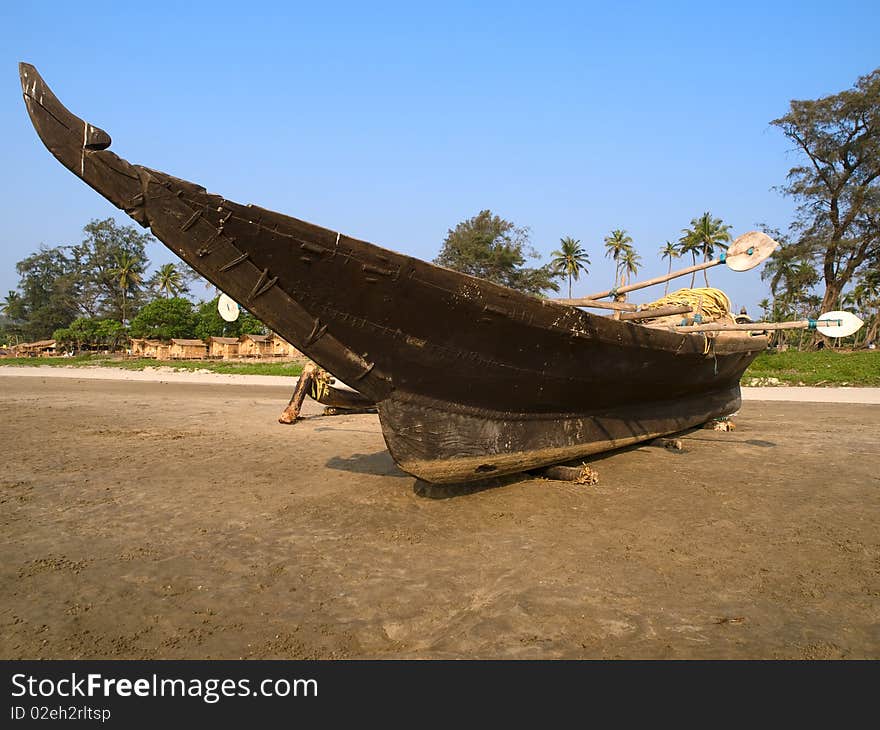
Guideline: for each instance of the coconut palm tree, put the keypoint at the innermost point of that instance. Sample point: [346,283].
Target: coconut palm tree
[630,263]
[11,304]
[169,280]
[617,243]
[704,236]
[687,244]
[780,270]
[669,251]
[129,274]
[866,296]
[570,260]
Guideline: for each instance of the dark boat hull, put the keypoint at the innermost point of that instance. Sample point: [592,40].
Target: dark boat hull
[447,446]
[471,379]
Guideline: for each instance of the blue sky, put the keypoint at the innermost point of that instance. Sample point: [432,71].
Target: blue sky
[393,122]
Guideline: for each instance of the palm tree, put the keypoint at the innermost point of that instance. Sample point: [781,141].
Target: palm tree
[669,251]
[688,244]
[128,274]
[11,303]
[704,236]
[630,263]
[570,260]
[13,308]
[617,243]
[780,270]
[866,296]
[169,280]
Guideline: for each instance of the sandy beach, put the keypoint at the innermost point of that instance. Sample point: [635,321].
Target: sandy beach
[170,375]
[162,516]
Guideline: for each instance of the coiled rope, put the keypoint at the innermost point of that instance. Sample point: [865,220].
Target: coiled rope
[712,303]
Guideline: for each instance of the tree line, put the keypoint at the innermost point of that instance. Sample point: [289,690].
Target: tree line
[97,294]
[496,249]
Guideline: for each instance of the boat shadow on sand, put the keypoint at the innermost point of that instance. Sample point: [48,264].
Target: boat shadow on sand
[381,464]
[448,491]
[378,463]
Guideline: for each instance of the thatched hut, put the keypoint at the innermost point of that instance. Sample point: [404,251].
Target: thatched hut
[187,349]
[40,348]
[282,348]
[225,347]
[142,347]
[254,346]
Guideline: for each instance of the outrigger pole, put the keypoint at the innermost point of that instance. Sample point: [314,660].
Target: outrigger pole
[830,324]
[746,252]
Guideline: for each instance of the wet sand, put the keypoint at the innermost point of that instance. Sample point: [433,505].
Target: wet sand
[180,520]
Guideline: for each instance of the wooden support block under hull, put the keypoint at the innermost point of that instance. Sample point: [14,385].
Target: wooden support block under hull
[437,444]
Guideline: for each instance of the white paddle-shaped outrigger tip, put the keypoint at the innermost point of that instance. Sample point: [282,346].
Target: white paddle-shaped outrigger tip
[748,250]
[831,324]
[837,324]
[228,308]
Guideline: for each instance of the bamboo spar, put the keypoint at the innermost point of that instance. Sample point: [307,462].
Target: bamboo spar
[746,252]
[616,306]
[590,300]
[800,324]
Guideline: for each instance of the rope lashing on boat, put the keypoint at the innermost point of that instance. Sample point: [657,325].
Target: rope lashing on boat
[712,303]
[319,387]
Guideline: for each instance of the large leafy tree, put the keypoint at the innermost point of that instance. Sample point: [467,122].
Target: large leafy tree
[48,291]
[492,248]
[105,251]
[617,244]
[837,184]
[89,332]
[209,323]
[165,318]
[570,260]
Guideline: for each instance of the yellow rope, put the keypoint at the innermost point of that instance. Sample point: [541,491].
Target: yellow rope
[713,303]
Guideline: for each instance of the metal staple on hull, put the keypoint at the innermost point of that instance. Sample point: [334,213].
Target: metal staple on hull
[318,331]
[264,283]
[191,221]
[235,262]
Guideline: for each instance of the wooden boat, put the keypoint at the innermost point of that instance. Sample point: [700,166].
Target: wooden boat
[471,379]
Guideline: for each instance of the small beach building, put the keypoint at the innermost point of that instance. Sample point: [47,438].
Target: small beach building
[187,349]
[282,348]
[40,348]
[142,347]
[254,346]
[223,347]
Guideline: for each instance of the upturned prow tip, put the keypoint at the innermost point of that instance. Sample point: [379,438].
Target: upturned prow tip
[27,73]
